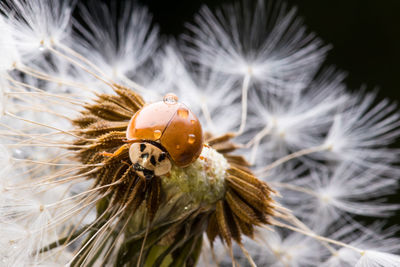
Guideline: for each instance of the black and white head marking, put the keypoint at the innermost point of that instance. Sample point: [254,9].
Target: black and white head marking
[148,160]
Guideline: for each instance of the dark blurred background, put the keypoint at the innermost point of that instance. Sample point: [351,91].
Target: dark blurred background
[365,34]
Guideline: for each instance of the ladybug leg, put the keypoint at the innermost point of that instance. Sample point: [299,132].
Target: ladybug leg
[116,153]
[106,154]
[143,173]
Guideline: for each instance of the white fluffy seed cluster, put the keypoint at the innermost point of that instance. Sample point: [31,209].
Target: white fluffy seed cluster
[249,68]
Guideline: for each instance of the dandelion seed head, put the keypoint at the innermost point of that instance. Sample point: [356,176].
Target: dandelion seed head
[285,123]
[36,25]
[376,246]
[344,191]
[294,250]
[360,132]
[120,53]
[378,259]
[9,54]
[285,147]
[12,240]
[237,44]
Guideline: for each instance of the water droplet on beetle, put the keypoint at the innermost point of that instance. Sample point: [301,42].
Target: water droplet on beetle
[191,138]
[183,113]
[157,134]
[170,99]
[178,147]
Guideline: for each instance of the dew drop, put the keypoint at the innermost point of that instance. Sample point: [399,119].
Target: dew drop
[183,113]
[191,138]
[41,46]
[192,121]
[170,99]
[178,147]
[157,134]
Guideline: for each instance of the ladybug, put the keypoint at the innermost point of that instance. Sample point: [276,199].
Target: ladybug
[163,133]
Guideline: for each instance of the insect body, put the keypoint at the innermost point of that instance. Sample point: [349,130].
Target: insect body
[161,133]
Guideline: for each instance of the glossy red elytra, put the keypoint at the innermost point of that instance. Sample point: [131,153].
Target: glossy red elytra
[163,131]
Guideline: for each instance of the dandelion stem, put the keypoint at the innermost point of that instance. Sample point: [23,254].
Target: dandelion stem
[266,130]
[93,237]
[138,87]
[38,108]
[45,125]
[71,100]
[314,235]
[82,58]
[143,244]
[79,65]
[75,228]
[39,92]
[294,155]
[43,76]
[63,240]
[83,193]
[110,249]
[249,258]
[70,240]
[256,142]
[207,115]
[293,187]
[296,221]
[47,145]
[56,164]
[245,90]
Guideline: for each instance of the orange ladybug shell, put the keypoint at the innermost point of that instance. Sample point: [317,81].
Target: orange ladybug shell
[173,125]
